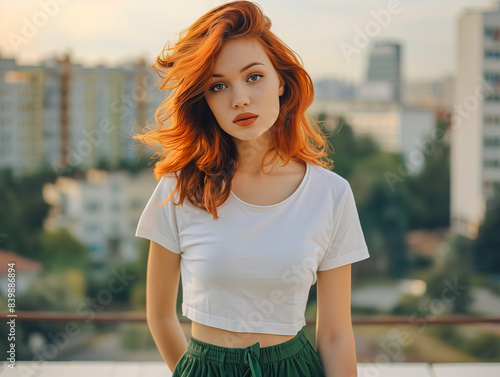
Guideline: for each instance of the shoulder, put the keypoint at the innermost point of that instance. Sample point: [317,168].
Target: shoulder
[165,185]
[329,181]
[168,179]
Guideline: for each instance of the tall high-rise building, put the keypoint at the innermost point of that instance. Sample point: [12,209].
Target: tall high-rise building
[60,114]
[22,121]
[475,134]
[8,113]
[383,77]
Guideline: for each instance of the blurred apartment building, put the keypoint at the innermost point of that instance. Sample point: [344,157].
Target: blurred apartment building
[101,209]
[475,136]
[382,85]
[22,116]
[60,114]
[394,127]
[375,108]
[438,94]
[332,88]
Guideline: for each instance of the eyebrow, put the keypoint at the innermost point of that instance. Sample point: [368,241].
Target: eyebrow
[241,70]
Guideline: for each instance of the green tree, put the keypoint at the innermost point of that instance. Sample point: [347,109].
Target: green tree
[430,188]
[454,269]
[23,211]
[487,244]
[348,149]
[383,211]
[60,250]
[384,219]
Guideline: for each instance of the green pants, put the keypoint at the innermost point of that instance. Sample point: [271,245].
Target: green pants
[294,358]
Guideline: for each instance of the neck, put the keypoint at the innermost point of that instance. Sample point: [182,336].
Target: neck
[251,154]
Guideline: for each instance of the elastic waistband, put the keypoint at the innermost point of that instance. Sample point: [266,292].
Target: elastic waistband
[239,355]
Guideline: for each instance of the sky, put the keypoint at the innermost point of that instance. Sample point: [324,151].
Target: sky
[326,34]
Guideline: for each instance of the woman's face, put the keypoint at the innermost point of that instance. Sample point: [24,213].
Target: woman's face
[255,89]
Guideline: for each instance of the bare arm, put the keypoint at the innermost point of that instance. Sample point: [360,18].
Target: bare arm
[162,284]
[334,335]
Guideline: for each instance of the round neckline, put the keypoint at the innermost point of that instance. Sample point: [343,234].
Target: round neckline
[294,194]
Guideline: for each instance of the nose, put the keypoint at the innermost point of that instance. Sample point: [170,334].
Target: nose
[240,98]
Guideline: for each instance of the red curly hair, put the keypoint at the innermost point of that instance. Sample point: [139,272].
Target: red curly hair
[194,147]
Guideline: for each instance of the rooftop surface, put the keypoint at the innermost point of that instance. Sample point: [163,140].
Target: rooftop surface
[160,369]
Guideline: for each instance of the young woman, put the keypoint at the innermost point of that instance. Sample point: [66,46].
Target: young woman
[246,210]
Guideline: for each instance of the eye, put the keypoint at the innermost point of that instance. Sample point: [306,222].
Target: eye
[256,75]
[212,89]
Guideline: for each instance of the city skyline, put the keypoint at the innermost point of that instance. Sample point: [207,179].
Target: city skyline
[119,30]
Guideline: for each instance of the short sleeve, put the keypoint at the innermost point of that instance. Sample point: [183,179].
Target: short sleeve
[160,224]
[348,242]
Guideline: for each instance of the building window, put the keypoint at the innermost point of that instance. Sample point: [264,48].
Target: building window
[492,54]
[95,248]
[492,119]
[491,141]
[493,98]
[492,33]
[492,78]
[491,163]
[487,188]
[91,228]
[93,206]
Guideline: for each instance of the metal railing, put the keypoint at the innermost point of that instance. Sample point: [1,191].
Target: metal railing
[140,316]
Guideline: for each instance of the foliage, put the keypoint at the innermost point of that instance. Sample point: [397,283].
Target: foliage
[51,292]
[138,296]
[115,285]
[382,213]
[421,262]
[455,270]
[359,310]
[408,305]
[60,250]
[383,216]
[23,211]
[392,197]
[484,346]
[430,188]
[137,336]
[348,149]
[487,244]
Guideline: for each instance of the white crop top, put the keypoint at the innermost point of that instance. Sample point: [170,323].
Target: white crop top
[251,270]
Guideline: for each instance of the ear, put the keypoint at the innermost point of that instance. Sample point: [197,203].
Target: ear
[282,86]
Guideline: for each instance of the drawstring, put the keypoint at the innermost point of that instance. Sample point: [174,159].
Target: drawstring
[252,354]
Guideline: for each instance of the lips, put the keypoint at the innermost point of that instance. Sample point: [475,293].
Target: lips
[244,116]
[245,122]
